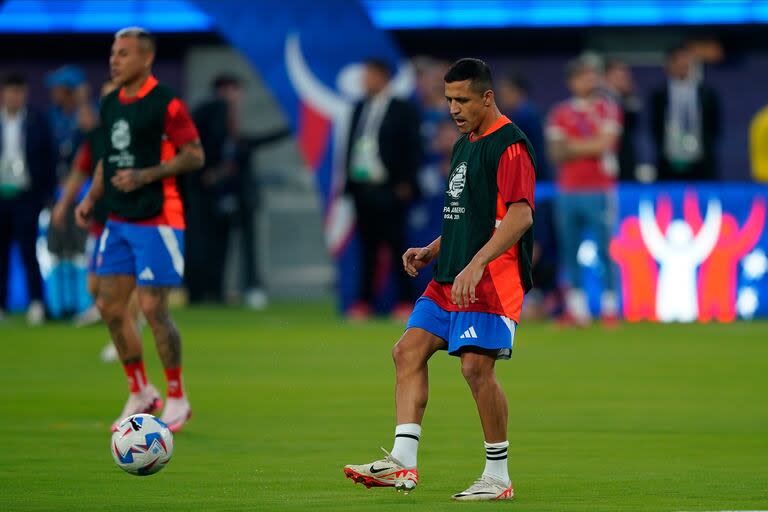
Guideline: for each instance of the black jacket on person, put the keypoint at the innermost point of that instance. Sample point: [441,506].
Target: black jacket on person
[704,169]
[399,143]
[39,154]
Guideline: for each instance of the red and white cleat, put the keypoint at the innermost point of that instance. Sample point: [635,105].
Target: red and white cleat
[486,488]
[387,472]
[146,401]
[176,413]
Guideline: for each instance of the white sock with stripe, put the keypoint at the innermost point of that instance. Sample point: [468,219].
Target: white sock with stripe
[496,461]
[406,445]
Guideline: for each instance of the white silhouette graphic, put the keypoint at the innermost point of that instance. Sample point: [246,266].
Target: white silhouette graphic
[679,254]
[337,107]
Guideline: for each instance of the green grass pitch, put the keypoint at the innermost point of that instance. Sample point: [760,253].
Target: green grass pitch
[645,417]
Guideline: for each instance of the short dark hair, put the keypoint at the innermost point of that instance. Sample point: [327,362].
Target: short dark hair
[143,35]
[225,80]
[474,70]
[14,79]
[380,65]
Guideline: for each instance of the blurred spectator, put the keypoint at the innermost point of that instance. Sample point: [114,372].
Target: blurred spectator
[383,158]
[758,145]
[685,122]
[621,89]
[514,102]
[430,93]
[26,184]
[582,134]
[222,198]
[212,194]
[72,115]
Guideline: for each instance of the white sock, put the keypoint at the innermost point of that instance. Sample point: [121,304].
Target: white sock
[496,461]
[407,438]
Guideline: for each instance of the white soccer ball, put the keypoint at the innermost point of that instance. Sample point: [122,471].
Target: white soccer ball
[142,445]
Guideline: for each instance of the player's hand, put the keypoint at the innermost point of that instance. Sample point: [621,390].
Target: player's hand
[59,215]
[84,211]
[128,180]
[415,259]
[463,290]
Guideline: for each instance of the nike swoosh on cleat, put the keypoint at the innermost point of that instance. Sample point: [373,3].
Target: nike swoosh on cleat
[374,470]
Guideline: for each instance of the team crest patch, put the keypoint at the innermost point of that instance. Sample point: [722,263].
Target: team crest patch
[121,134]
[457,181]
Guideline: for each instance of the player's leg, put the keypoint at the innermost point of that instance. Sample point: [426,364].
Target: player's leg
[477,367]
[153,303]
[114,294]
[479,340]
[160,266]
[425,335]
[116,269]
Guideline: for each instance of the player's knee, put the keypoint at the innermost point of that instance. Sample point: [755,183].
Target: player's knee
[475,372]
[110,311]
[398,353]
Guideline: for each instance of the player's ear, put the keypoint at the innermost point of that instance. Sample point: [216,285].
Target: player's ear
[488,98]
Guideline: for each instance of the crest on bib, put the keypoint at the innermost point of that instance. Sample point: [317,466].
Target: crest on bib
[457,180]
[121,134]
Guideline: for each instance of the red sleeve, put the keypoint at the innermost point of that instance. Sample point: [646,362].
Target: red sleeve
[179,126]
[516,177]
[83,161]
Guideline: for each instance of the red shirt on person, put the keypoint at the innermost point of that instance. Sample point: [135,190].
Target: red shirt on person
[575,119]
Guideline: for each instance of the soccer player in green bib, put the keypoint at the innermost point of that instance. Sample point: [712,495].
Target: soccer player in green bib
[148,139]
[482,271]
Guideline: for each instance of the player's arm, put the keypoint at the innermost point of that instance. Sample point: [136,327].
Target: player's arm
[516,182]
[84,210]
[518,219]
[189,158]
[416,258]
[182,133]
[81,166]
[72,186]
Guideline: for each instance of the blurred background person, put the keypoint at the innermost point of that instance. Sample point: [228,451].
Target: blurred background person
[213,193]
[685,122]
[582,134]
[620,86]
[71,115]
[383,159]
[27,182]
[224,198]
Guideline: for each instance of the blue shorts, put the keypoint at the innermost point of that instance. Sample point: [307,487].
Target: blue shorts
[465,329]
[154,254]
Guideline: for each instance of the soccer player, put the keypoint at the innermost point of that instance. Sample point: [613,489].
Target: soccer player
[149,139]
[483,269]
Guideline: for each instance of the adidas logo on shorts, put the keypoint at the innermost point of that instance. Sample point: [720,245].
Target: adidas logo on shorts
[147,274]
[469,334]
